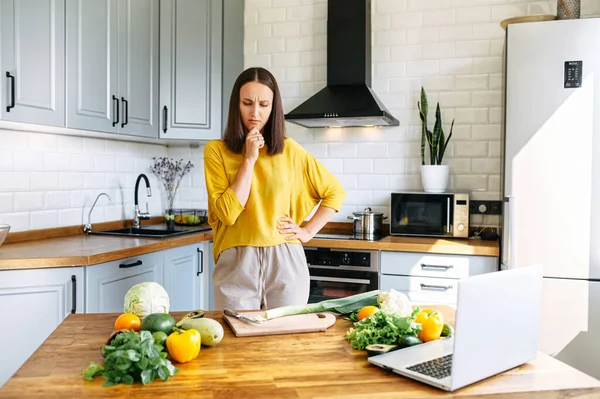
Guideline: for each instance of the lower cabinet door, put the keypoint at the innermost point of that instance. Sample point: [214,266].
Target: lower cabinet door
[185,274]
[423,290]
[107,283]
[35,301]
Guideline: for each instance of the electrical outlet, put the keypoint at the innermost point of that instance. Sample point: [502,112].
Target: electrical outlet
[480,207]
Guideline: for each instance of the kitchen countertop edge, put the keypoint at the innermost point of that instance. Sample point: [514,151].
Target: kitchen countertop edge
[125,247]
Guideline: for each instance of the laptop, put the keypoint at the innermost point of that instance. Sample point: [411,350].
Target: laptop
[496,329]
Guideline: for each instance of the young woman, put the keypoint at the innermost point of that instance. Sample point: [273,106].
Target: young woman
[261,187]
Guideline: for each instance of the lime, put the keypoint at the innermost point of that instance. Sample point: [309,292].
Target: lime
[159,338]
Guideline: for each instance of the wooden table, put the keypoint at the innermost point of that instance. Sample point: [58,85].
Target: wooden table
[309,365]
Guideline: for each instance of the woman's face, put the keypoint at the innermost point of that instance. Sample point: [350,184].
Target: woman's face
[256,103]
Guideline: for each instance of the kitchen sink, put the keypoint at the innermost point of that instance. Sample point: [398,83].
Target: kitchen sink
[156,231]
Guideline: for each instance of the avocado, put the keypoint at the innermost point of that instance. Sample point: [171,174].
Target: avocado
[378,349]
[409,340]
[158,322]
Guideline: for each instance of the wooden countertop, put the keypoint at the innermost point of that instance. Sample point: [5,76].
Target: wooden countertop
[84,250]
[309,365]
[68,247]
[453,246]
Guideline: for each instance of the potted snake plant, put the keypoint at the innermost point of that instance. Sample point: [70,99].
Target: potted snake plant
[434,175]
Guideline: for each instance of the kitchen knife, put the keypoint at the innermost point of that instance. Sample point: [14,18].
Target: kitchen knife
[238,316]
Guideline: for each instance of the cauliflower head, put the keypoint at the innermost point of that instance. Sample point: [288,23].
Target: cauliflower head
[395,301]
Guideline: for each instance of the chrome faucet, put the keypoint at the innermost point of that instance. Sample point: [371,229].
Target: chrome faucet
[141,215]
[88,227]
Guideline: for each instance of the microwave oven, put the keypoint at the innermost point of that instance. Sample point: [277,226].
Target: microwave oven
[429,214]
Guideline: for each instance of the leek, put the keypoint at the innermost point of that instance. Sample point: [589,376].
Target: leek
[338,305]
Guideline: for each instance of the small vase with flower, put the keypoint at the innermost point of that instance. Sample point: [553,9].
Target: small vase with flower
[170,173]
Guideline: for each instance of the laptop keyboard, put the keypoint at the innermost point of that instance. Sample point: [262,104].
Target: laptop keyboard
[437,368]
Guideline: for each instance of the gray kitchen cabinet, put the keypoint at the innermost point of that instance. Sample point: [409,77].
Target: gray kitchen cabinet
[186,276]
[107,283]
[191,69]
[112,66]
[35,301]
[429,278]
[32,61]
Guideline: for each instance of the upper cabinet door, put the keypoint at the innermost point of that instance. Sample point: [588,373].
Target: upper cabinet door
[32,61]
[190,69]
[92,92]
[138,67]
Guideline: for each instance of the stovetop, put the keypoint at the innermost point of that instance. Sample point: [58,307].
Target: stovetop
[348,237]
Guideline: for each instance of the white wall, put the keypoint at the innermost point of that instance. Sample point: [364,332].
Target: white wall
[49,180]
[451,47]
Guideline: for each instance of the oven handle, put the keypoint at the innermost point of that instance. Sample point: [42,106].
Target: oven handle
[340,280]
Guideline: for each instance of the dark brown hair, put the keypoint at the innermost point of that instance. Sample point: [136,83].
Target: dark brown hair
[274,130]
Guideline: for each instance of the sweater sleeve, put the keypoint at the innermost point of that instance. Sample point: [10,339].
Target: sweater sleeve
[223,202]
[323,185]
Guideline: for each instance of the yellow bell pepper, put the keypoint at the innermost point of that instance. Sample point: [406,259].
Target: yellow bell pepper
[184,346]
[432,323]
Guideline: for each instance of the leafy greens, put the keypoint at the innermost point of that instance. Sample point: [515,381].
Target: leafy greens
[383,327]
[132,357]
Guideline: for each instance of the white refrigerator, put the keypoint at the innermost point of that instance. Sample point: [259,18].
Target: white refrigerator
[551,179]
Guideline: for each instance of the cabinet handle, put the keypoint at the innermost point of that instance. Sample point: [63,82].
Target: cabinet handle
[74,299]
[200,262]
[12,91]
[435,287]
[134,264]
[116,110]
[165,111]
[125,112]
[437,267]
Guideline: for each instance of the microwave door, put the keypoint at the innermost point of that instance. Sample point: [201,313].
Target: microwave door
[422,214]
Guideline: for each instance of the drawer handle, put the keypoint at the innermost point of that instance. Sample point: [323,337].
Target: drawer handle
[437,267]
[435,287]
[134,264]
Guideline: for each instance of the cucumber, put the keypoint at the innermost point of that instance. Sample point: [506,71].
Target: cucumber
[447,331]
[378,349]
[158,322]
[211,331]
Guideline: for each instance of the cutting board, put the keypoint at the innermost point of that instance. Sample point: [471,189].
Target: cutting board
[300,323]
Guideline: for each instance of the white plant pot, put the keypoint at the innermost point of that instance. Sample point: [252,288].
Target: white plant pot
[435,178]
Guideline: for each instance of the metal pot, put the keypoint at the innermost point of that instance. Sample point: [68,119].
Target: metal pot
[367,223]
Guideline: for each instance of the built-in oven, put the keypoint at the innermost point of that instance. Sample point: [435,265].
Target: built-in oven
[429,214]
[338,273]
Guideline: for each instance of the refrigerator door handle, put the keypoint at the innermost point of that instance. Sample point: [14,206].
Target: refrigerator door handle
[508,233]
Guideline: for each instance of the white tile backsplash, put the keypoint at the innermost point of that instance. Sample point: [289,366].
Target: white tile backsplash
[51,180]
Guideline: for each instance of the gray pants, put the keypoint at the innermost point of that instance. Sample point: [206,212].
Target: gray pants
[252,278]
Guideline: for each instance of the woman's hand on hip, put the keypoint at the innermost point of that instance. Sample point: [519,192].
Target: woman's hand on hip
[254,141]
[290,227]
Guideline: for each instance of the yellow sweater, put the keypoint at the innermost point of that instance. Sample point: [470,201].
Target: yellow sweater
[291,183]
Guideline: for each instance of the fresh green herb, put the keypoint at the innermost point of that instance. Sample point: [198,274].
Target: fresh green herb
[132,357]
[384,327]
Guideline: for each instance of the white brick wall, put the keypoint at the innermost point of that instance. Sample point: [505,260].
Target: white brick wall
[49,180]
[451,47]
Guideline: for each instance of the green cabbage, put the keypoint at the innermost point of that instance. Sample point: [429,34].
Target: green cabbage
[146,298]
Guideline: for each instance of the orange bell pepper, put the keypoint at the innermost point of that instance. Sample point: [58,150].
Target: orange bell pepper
[432,323]
[184,346]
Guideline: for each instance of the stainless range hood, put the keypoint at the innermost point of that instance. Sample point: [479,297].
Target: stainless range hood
[348,99]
